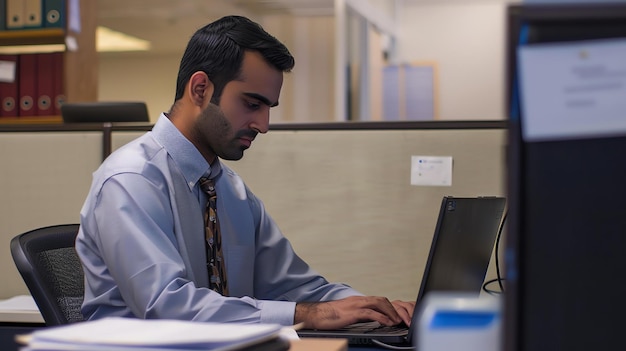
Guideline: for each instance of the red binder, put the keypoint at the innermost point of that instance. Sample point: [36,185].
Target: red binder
[45,84]
[59,84]
[8,89]
[27,84]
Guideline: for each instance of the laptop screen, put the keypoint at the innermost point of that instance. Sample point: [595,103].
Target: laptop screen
[463,243]
[461,248]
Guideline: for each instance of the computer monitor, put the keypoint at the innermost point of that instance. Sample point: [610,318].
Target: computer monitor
[100,112]
[566,231]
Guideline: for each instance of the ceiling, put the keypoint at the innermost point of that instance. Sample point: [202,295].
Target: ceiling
[168,24]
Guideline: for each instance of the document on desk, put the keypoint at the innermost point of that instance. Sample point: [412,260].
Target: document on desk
[19,303]
[116,334]
[20,309]
[573,90]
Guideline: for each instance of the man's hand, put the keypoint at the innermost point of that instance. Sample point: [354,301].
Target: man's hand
[354,309]
[404,309]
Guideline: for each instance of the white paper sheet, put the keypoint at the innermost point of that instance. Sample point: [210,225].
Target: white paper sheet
[19,303]
[125,333]
[431,170]
[573,90]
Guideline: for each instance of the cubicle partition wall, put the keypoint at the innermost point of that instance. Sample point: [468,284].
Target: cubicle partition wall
[45,174]
[340,192]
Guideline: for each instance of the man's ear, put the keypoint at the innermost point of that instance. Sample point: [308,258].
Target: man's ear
[200,88]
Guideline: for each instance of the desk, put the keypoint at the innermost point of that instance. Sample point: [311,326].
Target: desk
[331,344]
[20,309]
[366,348]
[18,315]
[323,344]
[315,344]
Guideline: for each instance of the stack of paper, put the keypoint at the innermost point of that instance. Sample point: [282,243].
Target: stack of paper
[117,334]
[19,303]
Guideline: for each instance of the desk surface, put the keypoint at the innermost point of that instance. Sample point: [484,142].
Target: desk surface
[323,344]
[315,344]
[20,309]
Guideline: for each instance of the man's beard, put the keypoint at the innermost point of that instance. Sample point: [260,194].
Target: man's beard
[217,133]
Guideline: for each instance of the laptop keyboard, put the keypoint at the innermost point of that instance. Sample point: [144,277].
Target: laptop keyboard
[373,327]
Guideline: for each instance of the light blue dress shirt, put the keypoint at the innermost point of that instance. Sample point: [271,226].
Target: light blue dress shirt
[141,241]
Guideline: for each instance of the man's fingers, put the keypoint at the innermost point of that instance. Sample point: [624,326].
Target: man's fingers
[368,315]
[405,310]
[387,313]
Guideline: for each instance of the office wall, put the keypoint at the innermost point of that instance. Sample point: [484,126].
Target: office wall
[308,94]
[139,77]
[465,38]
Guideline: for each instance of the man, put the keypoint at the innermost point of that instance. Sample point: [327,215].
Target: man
[142,236]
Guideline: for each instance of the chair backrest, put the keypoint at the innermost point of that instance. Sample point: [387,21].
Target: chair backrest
[52,271]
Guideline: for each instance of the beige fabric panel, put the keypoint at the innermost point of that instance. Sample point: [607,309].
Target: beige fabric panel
[44,179]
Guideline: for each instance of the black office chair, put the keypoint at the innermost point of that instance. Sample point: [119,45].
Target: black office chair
[51,269]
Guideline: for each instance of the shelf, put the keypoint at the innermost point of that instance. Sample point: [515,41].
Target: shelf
[32,37]
[31,120]
[80,69]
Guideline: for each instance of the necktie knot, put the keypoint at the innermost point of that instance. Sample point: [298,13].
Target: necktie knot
[207,185]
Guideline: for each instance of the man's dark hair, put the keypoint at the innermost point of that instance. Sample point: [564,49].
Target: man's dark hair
[217,49]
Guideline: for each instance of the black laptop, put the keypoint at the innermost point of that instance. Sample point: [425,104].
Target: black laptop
[459,256]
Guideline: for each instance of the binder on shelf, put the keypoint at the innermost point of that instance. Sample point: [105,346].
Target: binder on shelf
[27,86]
[54,13]
[46,68]
[32,13]
[14,14]
[59,84]
[8,86]
[3,15]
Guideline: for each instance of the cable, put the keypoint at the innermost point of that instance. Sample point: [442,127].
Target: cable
[498,250]
[392,347]
[491,291]
[499,278]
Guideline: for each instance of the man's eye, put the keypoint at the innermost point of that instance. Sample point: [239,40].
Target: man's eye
[252,105]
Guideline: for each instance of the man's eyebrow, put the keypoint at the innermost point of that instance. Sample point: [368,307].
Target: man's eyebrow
[261,98]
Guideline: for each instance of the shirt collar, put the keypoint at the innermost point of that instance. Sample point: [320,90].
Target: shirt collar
[184,154]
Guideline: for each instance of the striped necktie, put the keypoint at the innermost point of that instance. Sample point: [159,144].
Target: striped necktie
[215,259]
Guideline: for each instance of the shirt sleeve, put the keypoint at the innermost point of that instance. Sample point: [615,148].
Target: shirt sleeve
[135,262]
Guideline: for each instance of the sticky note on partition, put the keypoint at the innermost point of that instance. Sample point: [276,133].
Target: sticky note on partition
[431,170]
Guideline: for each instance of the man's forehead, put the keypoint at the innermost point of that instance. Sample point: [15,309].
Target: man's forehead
[258,79]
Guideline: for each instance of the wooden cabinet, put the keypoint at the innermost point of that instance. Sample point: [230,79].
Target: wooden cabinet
[80,60]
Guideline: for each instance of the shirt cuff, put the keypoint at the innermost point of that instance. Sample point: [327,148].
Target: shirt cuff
[277,312]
